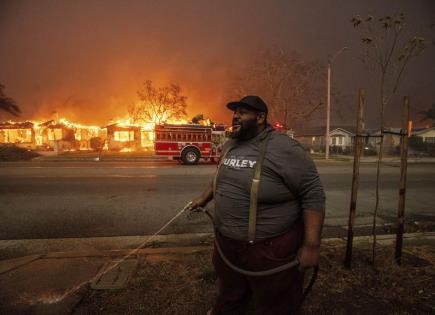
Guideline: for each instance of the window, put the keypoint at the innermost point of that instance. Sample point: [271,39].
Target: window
[54,134]
[429,139]
[124,136]
[337,140]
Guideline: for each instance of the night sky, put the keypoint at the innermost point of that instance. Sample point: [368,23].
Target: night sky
[87,59]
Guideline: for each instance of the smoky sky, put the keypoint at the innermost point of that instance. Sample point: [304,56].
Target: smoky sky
[87,59]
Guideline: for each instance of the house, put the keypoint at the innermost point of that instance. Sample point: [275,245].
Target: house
[313,139]
[89,138]
[21,134]
[58,137]
[341,140]
[123,137]
[391,140]
[427,134]
[422,141]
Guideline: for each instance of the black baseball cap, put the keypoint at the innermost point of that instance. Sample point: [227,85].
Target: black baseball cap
[252,101]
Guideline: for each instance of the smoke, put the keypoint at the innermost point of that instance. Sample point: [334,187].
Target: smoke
[86,59]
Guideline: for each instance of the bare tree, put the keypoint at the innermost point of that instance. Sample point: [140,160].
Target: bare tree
[429,114]
[388,50]
[158,104]
[293,87]
[7,104]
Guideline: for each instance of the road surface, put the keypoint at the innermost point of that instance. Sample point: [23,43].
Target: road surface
[92,199]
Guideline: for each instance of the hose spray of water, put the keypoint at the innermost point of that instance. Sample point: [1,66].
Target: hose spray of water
[55,298]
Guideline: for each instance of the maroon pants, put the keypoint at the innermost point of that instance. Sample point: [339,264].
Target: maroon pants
[276,294]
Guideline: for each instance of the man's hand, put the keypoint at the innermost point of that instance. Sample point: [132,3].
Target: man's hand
[202,200]
[308,256]
[198,203]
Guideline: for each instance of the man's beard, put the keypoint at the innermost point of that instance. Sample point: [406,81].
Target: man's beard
[247,130]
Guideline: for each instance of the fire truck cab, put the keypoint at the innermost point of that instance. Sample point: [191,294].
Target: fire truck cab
[189,143]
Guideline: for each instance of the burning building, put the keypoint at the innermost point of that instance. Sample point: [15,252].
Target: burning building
[61,135]
[21,134]
[123,138]
[51,135]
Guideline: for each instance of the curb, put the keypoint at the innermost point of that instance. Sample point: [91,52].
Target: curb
[182,244]
[12,264]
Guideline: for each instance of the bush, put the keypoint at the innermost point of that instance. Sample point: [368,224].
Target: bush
[14,153]
[96,143]
[369,150]
[418,147]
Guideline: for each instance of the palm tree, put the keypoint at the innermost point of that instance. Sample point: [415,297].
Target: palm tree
[7,104]
[429,114]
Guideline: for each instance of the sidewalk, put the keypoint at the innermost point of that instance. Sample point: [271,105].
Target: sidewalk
[150,157]
[179,279]
[374,159]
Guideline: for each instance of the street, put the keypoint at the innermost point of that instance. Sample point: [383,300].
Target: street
[93,199]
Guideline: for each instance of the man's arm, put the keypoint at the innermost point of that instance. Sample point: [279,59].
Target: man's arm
[308,254]
[202,200]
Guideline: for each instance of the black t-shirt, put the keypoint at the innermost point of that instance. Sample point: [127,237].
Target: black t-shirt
[289,184]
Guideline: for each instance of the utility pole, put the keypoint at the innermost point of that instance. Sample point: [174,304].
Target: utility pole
[328,102]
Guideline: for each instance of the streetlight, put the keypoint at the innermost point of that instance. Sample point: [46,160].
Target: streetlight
[328,103]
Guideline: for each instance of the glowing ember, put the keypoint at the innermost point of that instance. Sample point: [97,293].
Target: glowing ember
[126,150]
[45,298]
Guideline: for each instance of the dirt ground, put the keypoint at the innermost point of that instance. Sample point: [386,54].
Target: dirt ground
[186,285]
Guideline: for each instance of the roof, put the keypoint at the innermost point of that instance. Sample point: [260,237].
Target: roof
[119,127]
[419,131]
[16,125]
[321,130]
[397,131]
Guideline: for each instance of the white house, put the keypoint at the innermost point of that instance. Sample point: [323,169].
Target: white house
[427,134]
[341,140]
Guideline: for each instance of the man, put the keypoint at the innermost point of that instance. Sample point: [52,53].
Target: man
[267,176]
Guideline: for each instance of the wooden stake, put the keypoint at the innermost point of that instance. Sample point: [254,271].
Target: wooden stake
[357,149]
[405,132]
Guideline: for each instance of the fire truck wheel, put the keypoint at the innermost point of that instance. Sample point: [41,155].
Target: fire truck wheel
[190,156]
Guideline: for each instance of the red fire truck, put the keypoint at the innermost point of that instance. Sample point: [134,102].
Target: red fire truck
[189,143]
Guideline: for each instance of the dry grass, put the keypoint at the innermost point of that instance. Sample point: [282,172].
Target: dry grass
[186,286]
[382,289]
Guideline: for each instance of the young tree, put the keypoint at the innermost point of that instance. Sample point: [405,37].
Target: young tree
[292,87]
[158,104]
[388,50]
[7,104]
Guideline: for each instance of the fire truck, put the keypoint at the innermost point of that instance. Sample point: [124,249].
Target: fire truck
[189,143]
